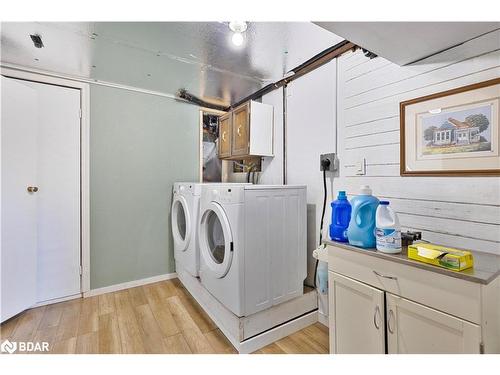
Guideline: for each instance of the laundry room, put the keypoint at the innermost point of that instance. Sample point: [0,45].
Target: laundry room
[320,183]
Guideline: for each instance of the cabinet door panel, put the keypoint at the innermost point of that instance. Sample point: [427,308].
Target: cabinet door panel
[416,329]
[241,130]
[225,135]
[356,317]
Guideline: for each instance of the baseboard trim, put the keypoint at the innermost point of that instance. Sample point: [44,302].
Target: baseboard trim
[323,319]
[257,342]
[129,284]
[57,300]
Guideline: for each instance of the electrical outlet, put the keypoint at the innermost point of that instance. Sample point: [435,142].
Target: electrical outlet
[333,162]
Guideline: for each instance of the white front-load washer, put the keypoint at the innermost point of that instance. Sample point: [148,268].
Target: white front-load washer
[253,251]
[184,221]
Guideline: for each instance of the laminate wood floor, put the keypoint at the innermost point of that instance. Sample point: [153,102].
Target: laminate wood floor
[155,318]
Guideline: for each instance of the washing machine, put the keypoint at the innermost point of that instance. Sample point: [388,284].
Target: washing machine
[253,251]
[184,220]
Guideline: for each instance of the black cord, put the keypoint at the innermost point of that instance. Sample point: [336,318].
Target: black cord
[321,225]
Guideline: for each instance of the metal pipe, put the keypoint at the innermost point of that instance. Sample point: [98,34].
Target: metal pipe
[284,135]
[185,95]
[320,55]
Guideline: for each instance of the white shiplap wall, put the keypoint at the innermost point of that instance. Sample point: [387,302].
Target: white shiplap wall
[458,211]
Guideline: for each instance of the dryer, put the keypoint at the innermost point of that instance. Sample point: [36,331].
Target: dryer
[253,251]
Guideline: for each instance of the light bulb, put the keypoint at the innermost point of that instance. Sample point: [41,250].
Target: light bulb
[237,39]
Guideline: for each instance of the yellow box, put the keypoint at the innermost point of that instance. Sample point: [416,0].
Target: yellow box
[441,256]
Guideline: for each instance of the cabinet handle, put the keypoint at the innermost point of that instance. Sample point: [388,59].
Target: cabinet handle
[385,276]
[224,136]
[389,320]
[239,130]
[32,189]
[376,312]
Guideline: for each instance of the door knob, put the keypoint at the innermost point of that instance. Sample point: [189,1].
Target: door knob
[32,189]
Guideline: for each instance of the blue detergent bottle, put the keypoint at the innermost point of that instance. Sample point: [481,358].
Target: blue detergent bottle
[361,231]
[341,215]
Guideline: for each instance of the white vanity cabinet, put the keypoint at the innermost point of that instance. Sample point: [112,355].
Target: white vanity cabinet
[381,303]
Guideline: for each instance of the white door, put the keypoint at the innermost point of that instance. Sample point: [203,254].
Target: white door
[55,150]
[416,329]
[356,317]
[18,207]
[58,170]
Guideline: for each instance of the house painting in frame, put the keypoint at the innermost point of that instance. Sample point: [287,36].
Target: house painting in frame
[452,133]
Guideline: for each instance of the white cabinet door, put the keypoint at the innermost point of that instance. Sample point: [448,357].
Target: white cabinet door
[19,127]
[357,323]
[416,329]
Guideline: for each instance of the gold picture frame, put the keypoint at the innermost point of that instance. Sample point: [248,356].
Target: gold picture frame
[452,133]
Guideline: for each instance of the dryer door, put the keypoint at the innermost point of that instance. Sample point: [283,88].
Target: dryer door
[181,222]
[216,240]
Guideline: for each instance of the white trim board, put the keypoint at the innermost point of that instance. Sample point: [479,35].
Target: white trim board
[76,79]
[57,300]
[129,284]
[257,342]
[40,77]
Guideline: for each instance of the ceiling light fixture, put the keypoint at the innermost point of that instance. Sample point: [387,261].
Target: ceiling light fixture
[237,39]
[238,28]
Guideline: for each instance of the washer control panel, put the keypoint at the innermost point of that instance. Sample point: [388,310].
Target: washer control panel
[183,188]
[226,194]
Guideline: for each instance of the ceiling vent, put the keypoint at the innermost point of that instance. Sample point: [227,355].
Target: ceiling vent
[37,40]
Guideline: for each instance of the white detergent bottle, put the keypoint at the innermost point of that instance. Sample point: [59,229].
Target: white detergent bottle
[388,230]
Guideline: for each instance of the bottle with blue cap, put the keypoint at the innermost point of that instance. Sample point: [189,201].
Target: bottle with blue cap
[361,230]
[341,215]
[388,232]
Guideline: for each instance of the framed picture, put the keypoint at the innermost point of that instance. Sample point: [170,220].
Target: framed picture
[452,133]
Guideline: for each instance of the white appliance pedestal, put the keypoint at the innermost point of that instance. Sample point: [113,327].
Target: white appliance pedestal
[250,333]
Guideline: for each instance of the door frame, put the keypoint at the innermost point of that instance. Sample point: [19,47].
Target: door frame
[200,140]
[84,159]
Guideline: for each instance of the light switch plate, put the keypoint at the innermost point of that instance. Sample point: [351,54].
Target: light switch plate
[361,167]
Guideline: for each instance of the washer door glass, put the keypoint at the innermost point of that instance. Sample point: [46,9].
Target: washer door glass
[181,223]
[216,240]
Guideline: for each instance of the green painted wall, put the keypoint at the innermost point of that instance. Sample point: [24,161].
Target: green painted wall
[139,146]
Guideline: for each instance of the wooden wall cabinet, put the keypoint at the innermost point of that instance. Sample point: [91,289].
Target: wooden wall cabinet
[225,134]
[246,131]
[377,305]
